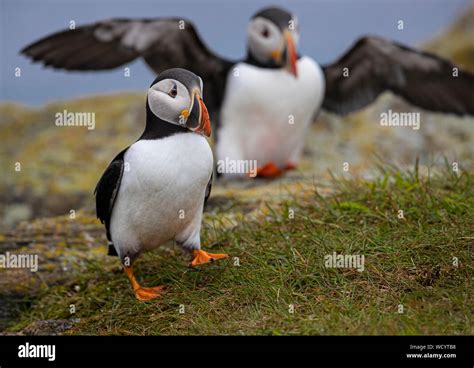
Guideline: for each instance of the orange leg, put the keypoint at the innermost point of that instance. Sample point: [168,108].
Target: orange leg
[269,170]
[142,293]
[201,257]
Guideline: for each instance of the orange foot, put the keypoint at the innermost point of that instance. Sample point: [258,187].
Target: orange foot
[269,170]
[148,293]
[201,257]
[142,293]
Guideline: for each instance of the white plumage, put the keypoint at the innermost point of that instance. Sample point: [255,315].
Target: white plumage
[161,195]
[266,112]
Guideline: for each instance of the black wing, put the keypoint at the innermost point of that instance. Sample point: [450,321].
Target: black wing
[164,43]
[107,189]
[376,65]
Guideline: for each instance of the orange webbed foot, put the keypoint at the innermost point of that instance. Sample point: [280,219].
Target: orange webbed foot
[202,257]
[269,170]
[148,293]
[142,293]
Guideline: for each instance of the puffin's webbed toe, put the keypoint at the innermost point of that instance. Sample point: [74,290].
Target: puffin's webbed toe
[148,293]
[142,293]
[269,170]
[202,257]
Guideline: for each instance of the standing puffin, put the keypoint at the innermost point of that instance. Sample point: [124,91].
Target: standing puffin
[263,105]
[154,191]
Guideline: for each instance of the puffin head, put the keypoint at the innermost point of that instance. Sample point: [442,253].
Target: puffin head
[175,97]
[273,37]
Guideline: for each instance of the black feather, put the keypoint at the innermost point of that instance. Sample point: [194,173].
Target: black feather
[107,189]
[376,65]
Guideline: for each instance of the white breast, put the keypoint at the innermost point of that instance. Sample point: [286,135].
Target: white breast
[162,192]
[266,112]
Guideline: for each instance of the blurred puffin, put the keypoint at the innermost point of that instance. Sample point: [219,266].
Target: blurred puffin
[154,190]
[262,106]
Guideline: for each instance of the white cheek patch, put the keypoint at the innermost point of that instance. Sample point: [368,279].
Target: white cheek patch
[165,107]
[260,46]
[155,102]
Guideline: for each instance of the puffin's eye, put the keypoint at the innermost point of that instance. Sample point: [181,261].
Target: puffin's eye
[174,91]
[265,32]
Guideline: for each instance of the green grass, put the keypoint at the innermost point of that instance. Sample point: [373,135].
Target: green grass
[408,262]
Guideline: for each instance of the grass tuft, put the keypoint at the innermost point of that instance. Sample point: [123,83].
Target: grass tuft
[276,282]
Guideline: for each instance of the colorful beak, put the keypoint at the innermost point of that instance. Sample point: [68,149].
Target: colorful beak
[291,54]
[198,120]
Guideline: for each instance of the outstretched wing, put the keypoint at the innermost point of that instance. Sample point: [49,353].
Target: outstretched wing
[374,65]
[164,43]
[107,189]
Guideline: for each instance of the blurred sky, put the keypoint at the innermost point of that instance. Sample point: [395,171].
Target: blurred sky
[328,27]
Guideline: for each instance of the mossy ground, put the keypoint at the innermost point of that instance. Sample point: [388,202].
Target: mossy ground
[275,281]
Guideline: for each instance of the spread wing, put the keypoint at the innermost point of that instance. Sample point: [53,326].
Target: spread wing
[375,65]
[163,43]
[107,189]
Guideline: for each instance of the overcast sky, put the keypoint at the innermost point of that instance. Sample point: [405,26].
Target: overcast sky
[327,27]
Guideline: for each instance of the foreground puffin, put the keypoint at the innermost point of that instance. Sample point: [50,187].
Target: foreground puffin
[262,106]
[154,191]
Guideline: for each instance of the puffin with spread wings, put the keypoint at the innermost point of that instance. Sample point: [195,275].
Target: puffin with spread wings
[262,106]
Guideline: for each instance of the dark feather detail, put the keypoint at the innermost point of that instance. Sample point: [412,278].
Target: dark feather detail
[107,189]
[376,65]
[208,190]
[163,43]
[112,251]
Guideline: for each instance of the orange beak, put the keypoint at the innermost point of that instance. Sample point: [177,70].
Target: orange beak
[291,55]
[205,123]
[198,119]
